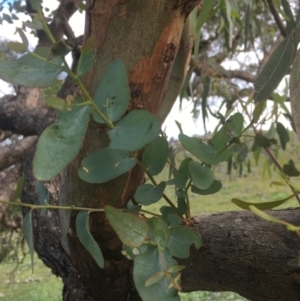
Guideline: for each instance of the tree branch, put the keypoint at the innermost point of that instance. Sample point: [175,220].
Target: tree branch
[20,119]
[277,17]
[15,152]
[245,254]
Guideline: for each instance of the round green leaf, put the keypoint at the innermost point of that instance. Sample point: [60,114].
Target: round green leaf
[159,232]
[234,125]
[148,194]
[202,176]
[213,188]
[155,155]
[105,165]
[60,142]
[131,229]
[205,153]
[31,70]
[145,266]
[86,238]
[134,131]
[181,238]
[113,93]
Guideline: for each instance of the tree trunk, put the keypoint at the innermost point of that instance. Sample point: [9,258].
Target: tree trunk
[146,38]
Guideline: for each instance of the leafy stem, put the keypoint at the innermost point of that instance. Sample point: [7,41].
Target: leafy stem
[86,94]
[55,207]
[144,168]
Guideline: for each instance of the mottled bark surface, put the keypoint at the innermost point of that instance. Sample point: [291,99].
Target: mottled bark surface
[247,255]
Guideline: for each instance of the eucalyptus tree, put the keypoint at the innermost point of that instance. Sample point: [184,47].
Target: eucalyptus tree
[88,180]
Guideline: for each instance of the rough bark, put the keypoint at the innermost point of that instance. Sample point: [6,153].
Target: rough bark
[247,255]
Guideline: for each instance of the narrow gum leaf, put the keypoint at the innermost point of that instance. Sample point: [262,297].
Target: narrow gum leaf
[28,233]
[86,238]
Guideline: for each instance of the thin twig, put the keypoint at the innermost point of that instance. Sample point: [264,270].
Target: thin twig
[277,18]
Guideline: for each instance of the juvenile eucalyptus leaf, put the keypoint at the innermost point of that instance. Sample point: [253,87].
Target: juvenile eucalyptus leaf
[275,69]
[213,188]
[283,134]
[148,194]
[31,70]
[176,268]
[145,265]
[260,206]
[159,232]
[28,233]
[23,37]
[86,59]
[182,174]
[155,155]
[131,229]
[18,191]
[205,153]
[17,47]
[174,219]
[262,141]
[105,165]
[126,135]
[86,238]
[56,102]
[202,176]
[234,125]
[43,195]
[154,278]
[166,211]
[113,93]
[290,169]
[60,142]
[181,238]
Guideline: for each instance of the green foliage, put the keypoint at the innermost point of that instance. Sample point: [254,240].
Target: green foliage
[86,59]
[131,229]
[127,136]
[28,233]
[18,189]
[56,103]
[213,188]
[155,155]
[202,176]
[275,69]
[112,94]
[86,238]
[260,206]
[148,194]
[60,142]
[149,266]
[290,169]
[34,69]
[43,195]
[181,238]
[105,165]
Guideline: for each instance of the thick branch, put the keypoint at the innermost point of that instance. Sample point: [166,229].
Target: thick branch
[247,255]
[11,154]
[20,119]
[277,17]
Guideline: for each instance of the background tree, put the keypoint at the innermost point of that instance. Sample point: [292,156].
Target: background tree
[146,38]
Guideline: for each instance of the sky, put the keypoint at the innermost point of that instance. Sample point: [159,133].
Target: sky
[184,116]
